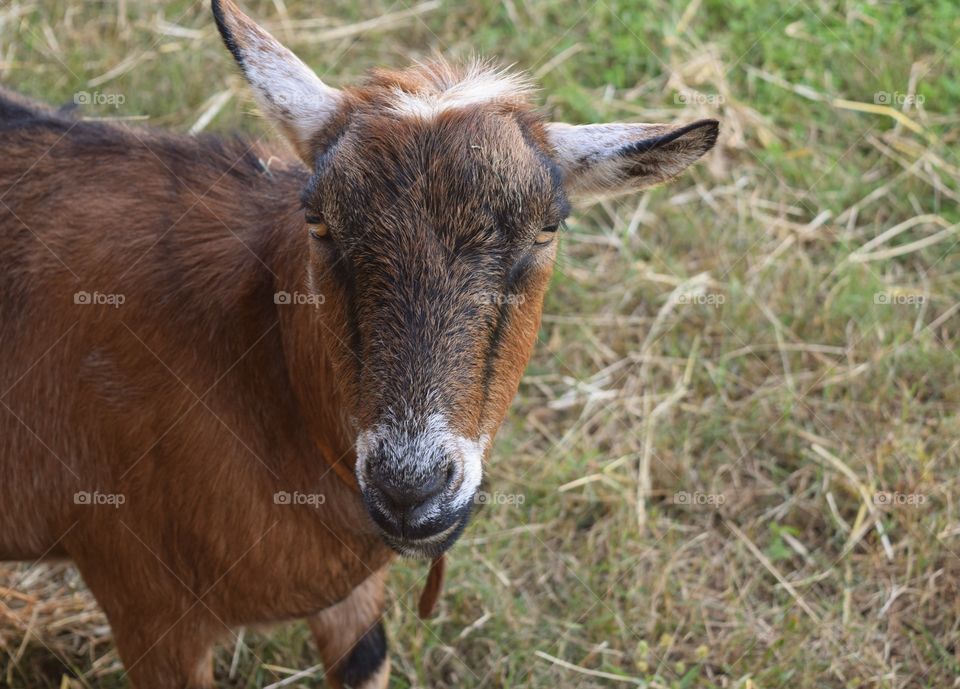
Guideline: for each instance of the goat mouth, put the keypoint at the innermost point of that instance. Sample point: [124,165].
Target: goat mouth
[428,547]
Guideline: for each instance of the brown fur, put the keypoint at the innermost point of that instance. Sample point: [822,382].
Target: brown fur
[197,399]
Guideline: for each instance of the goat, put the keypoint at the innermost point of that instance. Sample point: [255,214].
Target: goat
[234,390]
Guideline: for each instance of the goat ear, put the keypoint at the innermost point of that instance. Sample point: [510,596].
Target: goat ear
[287,91]
[601,160]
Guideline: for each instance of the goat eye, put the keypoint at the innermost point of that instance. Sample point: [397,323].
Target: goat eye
[546,235]
[318,228]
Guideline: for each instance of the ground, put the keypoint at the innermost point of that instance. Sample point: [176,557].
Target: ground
[734,458]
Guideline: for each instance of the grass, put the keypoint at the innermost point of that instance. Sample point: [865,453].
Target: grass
[731,376]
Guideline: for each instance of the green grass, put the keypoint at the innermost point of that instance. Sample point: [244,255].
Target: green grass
[804,391]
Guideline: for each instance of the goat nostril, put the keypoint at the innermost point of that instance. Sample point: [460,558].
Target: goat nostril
[430,487]
[450,476]
[406,495]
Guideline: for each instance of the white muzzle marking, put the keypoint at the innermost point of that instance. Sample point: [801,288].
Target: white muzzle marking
[418,451]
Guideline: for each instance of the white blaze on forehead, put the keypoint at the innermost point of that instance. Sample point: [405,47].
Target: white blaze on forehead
[480,85]
[421,451]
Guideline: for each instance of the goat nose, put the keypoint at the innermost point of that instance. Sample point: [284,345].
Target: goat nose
[405,495]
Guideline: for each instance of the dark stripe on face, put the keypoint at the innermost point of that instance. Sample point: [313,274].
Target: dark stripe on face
[344,275]
[496,338]
[510,282]
[516,272]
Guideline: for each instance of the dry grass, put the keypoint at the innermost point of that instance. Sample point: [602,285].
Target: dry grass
[735,372]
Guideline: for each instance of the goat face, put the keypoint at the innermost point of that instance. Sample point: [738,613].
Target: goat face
[437,244]
[430,222]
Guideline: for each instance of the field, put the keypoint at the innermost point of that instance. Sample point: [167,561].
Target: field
[735,456]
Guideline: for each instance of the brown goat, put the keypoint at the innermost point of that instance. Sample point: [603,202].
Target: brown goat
[204,341]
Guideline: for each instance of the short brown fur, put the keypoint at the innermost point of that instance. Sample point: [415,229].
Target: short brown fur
[189,399]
